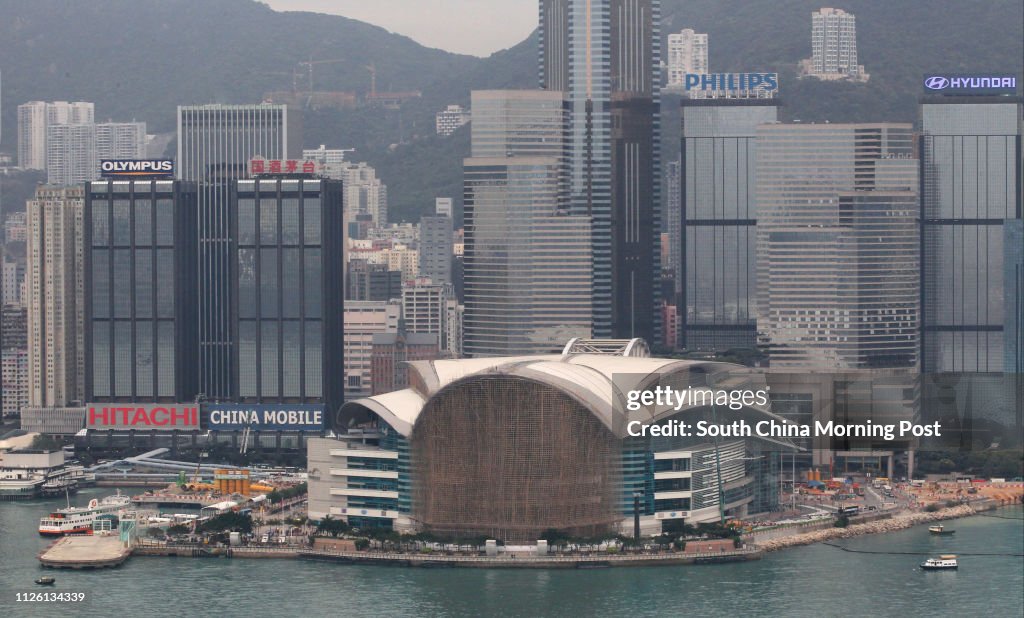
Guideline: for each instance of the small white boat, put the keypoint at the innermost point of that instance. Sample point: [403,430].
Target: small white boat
[940,529]
[947,561]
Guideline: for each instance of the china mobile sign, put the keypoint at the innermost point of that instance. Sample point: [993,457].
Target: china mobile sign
[267,417]
[974,84]
[160,416]
[285,167]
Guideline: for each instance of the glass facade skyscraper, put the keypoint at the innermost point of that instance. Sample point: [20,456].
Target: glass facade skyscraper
[715,241]
[604,56]
[289,262]
[215,144]
[970,221]
[142,296]
[527,259]
[838,246]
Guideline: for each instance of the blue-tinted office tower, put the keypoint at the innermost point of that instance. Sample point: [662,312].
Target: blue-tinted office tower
[215,144]
[970,228]
[288,268]
[604,55]
[141,291]
[716,241]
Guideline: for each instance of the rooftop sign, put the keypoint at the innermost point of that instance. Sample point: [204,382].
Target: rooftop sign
[970,84]
[732,85]
[137,168]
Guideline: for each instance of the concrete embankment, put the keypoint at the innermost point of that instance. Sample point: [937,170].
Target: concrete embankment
[531,561]
[896,522]
[85,552]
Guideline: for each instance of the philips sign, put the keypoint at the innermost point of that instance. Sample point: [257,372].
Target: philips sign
[279,417]
[970,84]
[137,168]
[733,85]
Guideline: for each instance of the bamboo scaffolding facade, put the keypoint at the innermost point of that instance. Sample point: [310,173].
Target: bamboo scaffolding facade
[508,457]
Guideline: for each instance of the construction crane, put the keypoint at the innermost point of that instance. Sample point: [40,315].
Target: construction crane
[309,67]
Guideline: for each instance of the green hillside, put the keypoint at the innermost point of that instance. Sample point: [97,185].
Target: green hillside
[141,58]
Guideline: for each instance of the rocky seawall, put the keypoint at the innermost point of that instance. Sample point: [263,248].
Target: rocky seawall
[897,522]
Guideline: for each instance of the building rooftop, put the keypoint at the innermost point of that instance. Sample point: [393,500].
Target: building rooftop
[600,382]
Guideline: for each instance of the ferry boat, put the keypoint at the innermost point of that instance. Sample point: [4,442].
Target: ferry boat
[79,519]
[940,529]
[947,561]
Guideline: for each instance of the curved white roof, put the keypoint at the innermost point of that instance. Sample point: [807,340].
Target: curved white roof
[600,382]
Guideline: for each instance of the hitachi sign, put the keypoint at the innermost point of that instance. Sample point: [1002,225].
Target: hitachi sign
[116,168]
[136,416]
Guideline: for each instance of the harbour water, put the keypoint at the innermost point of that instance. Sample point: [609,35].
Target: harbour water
[816,580]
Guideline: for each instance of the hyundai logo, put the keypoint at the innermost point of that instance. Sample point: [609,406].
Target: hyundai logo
[936,82]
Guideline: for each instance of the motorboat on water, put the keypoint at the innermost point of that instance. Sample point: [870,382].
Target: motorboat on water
[940,529]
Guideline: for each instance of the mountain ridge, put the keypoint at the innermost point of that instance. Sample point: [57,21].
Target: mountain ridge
[140,59]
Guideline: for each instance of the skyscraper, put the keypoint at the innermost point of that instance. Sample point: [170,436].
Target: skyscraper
[215,144]
[834,45]
[714,244]
[604,55]
[121,140]
[56,296]
[971,220]
[365,194]
[140,269]
[527,258]
[13,359]
[838,279]
[35,117]
[838,246]
[290,291]
[687,53]
[71,154]
[436,248]
[364,319]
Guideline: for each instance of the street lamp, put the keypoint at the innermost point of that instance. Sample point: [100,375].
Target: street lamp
[636,514]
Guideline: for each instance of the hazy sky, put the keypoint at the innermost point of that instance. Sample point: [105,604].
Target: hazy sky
[478,27]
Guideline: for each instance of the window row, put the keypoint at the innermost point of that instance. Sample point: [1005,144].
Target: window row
[120,224]
[276,221]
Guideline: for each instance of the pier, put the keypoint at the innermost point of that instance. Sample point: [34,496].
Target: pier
[94,551]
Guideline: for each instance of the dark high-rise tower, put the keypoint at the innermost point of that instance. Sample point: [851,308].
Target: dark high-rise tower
[215,144]
[289,292]
[713,245]
[140,264]
[604,54]
[970,220]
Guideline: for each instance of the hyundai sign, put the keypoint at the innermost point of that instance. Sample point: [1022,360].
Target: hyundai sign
[970,84]
[137,168]
[732,85]
[142,417]
[268,417]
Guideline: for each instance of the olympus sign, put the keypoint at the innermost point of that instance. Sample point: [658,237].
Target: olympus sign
[134,168]
[970,84]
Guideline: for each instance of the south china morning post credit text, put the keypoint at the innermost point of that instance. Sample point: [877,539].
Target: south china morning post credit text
[666,397]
